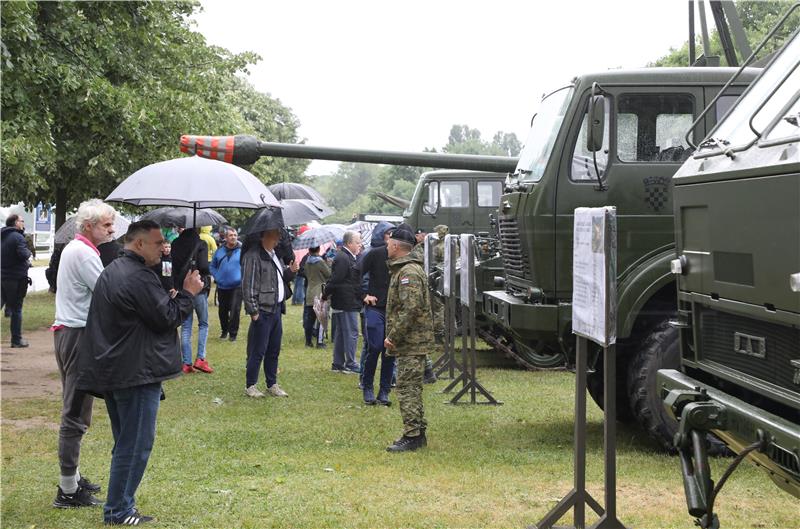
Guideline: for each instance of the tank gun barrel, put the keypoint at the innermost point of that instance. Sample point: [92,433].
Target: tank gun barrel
[245,150]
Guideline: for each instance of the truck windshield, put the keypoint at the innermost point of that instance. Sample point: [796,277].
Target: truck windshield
[542,136]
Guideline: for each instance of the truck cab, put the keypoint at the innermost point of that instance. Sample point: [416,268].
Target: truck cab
[737,222]
[637,121]
[462,200]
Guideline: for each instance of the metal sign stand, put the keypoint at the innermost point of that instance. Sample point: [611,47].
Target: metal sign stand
[447,364]
[594,318]
[468,377]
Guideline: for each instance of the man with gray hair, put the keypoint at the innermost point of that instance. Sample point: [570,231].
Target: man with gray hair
[79,269]
[344,290]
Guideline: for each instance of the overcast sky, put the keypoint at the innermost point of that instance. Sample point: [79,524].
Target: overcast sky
[398,75]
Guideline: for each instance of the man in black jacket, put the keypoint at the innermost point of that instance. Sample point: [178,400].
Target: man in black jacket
[129,347]
[373,266]
[265,289]
[15,261]
[344,291]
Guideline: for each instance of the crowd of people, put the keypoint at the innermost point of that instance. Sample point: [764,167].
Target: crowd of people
[123,325]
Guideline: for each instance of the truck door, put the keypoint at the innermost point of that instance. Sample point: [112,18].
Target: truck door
[449,203]
[643,147]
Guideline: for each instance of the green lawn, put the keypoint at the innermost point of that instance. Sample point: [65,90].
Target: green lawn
[317,459]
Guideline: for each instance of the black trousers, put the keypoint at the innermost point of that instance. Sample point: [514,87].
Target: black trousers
[230,306]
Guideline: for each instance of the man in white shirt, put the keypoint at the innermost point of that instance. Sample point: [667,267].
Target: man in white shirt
[78,270]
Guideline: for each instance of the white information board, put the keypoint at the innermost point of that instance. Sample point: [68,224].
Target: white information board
[467,275]
[449,256]
[430,241]
[594,273]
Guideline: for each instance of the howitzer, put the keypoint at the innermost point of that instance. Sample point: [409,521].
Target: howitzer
[246,150]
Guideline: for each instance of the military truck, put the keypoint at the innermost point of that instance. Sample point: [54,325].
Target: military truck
[610,138]
[638,120]
[737,331]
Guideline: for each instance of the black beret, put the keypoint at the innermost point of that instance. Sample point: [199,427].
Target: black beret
[403,233]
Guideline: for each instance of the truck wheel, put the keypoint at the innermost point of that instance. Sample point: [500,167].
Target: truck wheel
[539,356]
[594,385]
[660,350]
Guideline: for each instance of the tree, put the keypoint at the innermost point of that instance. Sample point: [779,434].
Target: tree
[464,140]
[93,91]
[758,18]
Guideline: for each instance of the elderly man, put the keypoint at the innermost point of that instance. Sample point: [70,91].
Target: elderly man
[409,334]
[227,271]
[344,290]
[79,268]
[265,288]
[15,261]
[129,347]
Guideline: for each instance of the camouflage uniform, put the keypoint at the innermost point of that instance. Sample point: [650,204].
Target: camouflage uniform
[437,305]
[409,328]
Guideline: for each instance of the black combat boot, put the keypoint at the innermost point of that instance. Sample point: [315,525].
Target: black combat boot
[408,444]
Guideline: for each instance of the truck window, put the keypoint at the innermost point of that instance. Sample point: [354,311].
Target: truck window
[489,194]
[583,168]
[454,194]
[651,127]
[430,205]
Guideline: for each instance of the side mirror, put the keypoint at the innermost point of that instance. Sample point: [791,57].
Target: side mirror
[597,123]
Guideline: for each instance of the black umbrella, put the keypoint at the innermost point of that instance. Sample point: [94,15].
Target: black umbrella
[291,190]
[67,230]
[182,217]
[298,211]
[262,220]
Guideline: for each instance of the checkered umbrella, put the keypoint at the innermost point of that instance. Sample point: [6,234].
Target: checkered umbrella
[316,237]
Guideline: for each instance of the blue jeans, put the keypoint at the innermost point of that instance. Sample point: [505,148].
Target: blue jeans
[132,412]
[345,340]
[299,294]
[376,328]
[201,308]
[264,344]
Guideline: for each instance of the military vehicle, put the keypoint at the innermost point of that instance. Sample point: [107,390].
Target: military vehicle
[614,137]
[737,331]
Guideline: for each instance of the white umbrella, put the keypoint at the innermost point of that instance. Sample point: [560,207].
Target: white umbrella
[193,182]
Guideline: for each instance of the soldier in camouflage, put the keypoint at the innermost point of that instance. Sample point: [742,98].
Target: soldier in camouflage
[409,334]
[437,307]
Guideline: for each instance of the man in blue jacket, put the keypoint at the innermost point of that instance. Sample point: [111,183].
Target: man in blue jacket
[227,271]
[15,261]
[128,348]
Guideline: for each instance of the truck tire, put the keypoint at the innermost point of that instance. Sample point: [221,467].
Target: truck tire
[594,386]
[659,350]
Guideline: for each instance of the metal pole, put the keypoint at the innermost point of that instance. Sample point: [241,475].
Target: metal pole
[609,519]
[692,53]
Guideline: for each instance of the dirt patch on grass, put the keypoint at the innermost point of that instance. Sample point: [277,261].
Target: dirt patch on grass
[31,372]
[31,424]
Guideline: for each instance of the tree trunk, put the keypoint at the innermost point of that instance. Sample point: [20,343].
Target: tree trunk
[61,206]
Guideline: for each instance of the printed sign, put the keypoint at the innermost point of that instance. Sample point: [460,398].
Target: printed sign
[467,275]
[43,218]
[449,256]
[594,273]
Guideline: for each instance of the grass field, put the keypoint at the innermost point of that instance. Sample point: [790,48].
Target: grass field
[317,459]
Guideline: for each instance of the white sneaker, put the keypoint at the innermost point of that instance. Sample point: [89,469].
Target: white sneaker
[276,391]
[253,391]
